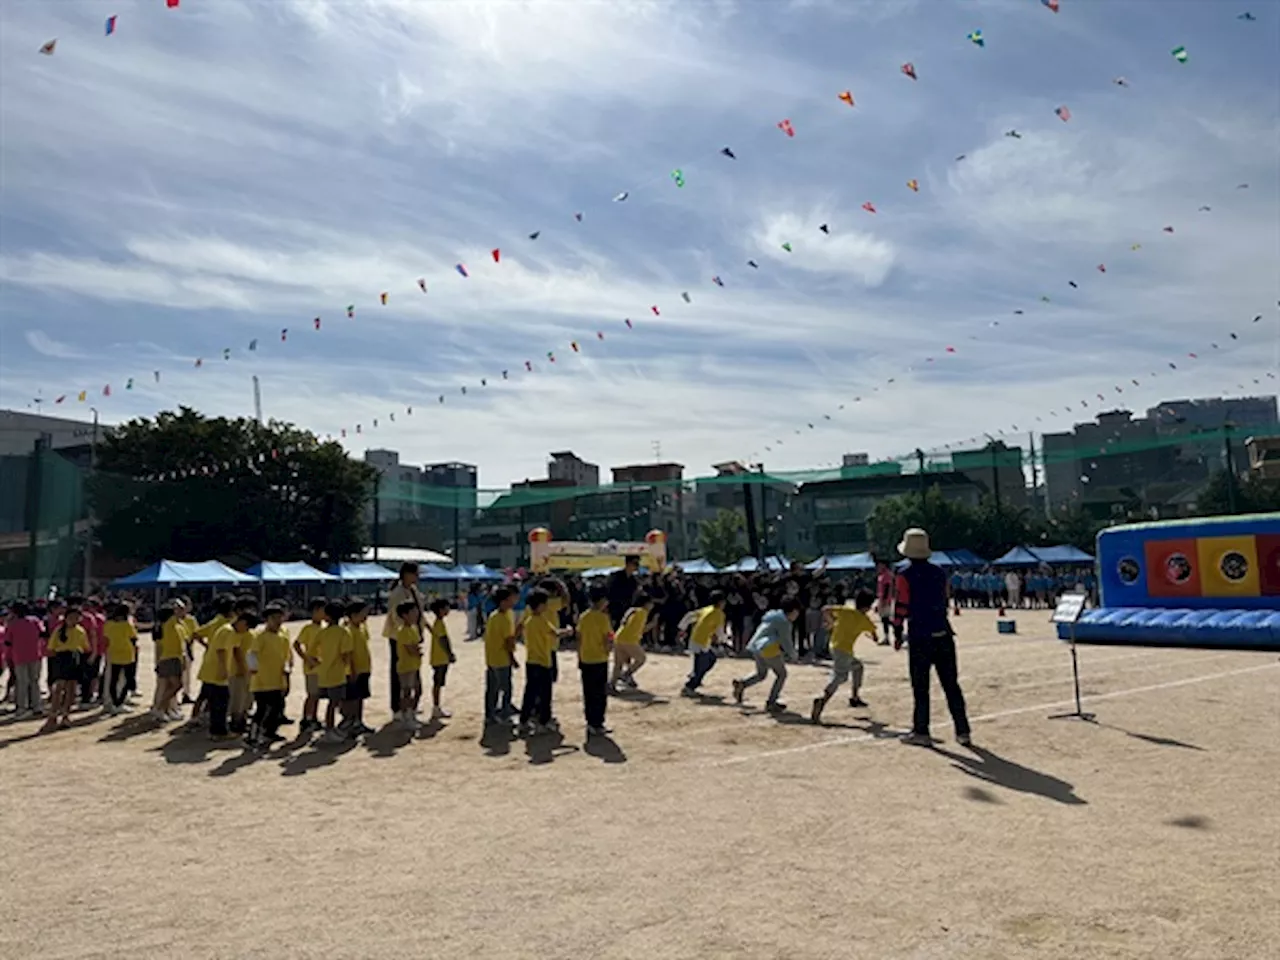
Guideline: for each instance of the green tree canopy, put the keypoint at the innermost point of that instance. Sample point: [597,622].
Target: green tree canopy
[721,538]
[1253,495]
[187,487]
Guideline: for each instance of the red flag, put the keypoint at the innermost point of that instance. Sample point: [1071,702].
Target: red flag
[497,255]
[106,391]
[951,349]
[786,127]
[655,311]
[910,70]
[869,207]
[171,3]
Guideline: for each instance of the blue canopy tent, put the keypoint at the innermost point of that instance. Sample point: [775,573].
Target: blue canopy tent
[751,565]
[170,573]
[362,572]
[1062,554]
[269,571]
[477,571]
[434,572]
[1017,557]
[845,561]
[964,557]
[696,567]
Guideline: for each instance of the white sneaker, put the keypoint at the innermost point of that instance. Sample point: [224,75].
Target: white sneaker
[174,714]
[157,714]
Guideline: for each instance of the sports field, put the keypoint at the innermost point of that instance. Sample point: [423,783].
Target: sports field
[699,830]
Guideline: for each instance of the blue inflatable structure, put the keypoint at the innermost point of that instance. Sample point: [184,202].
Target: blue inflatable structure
[1211,583]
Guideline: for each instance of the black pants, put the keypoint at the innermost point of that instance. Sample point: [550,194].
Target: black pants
[266,721]
[89,668]
[938,653]
[218,697]
[595,692]
[119,684]
[395,677]
[537,694]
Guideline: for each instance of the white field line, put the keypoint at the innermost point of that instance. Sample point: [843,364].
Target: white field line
[999,714]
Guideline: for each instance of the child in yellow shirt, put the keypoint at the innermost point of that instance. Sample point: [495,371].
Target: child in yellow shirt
[122,656]
[68,646]
[441,655]
[334,647]
[847,624]
[305,648]
[268,659]
[361,667]
[595,641]
[500,657]
[628,654]
[408,639]
[541,638]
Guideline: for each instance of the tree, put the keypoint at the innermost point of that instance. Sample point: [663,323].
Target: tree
[187,487]
[950,523]
[1253,495]
[721,538]
[1071,524]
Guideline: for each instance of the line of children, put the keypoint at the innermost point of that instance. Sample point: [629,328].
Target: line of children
[305,647]
[500,658]
[541,640]
[269,659]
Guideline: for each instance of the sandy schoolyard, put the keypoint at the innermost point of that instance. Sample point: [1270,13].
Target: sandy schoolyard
[699,830]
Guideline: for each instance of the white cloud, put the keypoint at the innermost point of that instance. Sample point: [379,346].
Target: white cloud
[843,250]
[47,346]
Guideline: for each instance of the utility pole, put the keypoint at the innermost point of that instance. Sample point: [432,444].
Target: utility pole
[764,513]
[1231,467]
[88,542]
[995,486]
[457,515]
[377,510]
[35,481]
[1035,476]
[924,503]
[257,400]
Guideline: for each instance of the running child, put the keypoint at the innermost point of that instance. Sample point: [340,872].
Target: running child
[408,640]
[68,647]
[441,655]
[500,657]
[708,625]
[847,624]
[305,648]
[170,640]
[771,646]
[628,653]
[595,638]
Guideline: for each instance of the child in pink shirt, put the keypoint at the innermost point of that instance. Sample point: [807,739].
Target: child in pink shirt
[24,640]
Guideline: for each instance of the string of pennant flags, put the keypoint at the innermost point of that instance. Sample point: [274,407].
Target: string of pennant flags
[528,366]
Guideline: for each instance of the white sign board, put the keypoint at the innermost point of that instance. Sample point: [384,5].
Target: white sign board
[1069,608]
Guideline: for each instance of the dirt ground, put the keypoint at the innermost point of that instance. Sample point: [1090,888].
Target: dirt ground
[698,830]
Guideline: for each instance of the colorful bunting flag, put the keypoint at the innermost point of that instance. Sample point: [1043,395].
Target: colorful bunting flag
[909,69]
[48,48]
[786,127]
[1180,54]
[847,97]
[913,186]
[111,25]
[461,269]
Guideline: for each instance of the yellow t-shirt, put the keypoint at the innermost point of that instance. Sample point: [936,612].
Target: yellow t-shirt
[593,637]
[76,641]
[120,636]
[498,629]
[847,624]
[274,657]
[540,640]
[173,640]
[710,619]
[224,639]
[631,629]
[307,641]
[332,642]
[239,641]
[439,651]
[360,656]
[191,627]
[408,649]
[551,611]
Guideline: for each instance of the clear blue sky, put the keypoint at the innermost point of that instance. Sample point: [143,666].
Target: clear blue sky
[213,174]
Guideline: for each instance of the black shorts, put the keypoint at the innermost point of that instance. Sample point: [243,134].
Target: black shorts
[438,674]
[333,693]
[64,666]
[358,687]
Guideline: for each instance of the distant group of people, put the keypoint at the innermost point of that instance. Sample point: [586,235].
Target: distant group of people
[1035,589]
[244,660]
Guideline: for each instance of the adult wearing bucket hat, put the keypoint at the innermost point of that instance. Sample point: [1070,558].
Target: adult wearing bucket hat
[921,601]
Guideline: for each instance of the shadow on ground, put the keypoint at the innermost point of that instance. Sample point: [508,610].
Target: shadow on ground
[995,769]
